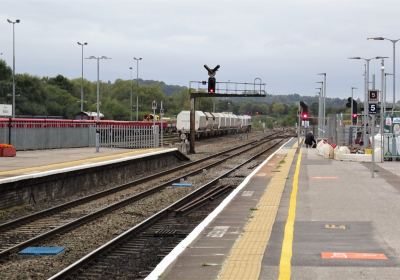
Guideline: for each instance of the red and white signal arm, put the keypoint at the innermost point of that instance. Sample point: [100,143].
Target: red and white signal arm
[373,96]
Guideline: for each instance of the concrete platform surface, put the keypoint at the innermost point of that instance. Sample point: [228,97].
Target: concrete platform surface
[37,161]
[345,225]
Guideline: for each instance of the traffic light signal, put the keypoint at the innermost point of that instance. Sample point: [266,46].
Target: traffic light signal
[355,109]
[211,79]
[304,110]
[211,85]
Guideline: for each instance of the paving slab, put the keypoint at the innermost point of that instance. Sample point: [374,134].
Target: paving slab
[346,225]
[341,210]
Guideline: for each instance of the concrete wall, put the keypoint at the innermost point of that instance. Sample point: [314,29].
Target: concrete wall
[83,181]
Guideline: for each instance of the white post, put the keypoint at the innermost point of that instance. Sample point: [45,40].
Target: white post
[82,83]
[324,107]
[394,74]
[365,137]
[98,89]
[381,99]
[131,96]
[372,127]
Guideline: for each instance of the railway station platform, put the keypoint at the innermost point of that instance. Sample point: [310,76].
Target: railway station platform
[298,216]
[44,175]
[29,164]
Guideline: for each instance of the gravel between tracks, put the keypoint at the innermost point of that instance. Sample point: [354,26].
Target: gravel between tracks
[203,149]
[84,239]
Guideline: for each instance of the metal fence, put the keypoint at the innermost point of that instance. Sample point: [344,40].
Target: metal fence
[31,134]
[341,131]
[122,136]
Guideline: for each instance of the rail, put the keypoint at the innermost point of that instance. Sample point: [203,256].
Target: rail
[187,203]
[12,225]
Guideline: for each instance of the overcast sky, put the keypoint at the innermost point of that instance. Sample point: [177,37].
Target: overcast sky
[285,42]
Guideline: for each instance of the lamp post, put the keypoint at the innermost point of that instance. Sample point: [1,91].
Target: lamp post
[131,107]
[323,104]
[98,58]
[320,109]
[137,85]
[394,64]
[367,60]
[98,97]
[384,93]
[82,45]
[382,101]
[13,74]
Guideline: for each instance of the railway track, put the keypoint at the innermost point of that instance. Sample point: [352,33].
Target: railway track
[134,253]
[39,227]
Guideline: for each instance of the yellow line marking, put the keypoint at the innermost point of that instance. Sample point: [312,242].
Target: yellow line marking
[245,257]
[285,268]
[74,162]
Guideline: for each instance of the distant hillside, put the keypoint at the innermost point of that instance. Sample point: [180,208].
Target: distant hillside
[291,99]
[167,89]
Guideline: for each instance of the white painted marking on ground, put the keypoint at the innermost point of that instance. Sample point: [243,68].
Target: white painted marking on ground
[173,255]
[218,231]
[261,174]
[248,193]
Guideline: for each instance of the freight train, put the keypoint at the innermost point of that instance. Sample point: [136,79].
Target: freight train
[211,124]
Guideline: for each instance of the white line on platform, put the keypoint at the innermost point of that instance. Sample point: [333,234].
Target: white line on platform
[173,255]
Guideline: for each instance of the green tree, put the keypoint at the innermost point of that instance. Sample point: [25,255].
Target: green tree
[5,71]
[278,108]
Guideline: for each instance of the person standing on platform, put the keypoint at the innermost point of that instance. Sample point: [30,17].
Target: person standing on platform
[310,140]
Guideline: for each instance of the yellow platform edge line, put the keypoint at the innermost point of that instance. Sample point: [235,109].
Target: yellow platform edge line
[251,245]
[285,267]
[93,159]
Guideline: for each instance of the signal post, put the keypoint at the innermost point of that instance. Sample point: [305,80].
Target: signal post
[218,89]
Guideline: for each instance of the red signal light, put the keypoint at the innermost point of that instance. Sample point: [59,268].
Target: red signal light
[354,116]
[211,85]
[305,116]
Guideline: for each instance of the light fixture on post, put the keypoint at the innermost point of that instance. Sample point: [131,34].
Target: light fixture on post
[131,99]
[323,104]
[366,85]
[137,85]
[13,73]
[98,58]
[320,128]
[394,64]
[82,45]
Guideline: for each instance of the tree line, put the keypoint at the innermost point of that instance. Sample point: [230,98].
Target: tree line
[60,97]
